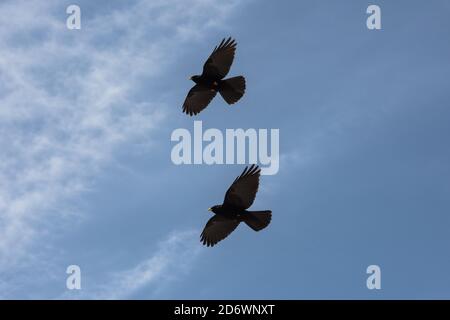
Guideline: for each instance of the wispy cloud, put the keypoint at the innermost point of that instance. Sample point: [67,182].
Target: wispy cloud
[68,103]
[173,258]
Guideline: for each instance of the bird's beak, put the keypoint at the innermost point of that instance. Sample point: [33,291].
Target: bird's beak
[190,78]
[209,209]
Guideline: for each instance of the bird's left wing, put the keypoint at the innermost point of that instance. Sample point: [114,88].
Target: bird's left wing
[242,192]
[217,229]
[219,62]
[198,99]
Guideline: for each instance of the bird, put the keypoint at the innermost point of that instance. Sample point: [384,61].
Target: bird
[211,80]
[238,198]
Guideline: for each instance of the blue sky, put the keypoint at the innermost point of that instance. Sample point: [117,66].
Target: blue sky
[86,176]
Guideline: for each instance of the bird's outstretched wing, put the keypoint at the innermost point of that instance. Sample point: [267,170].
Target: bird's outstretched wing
[220,60]
[242,192]
[217,229]
[198,99]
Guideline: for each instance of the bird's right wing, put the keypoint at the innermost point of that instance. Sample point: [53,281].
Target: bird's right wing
[217,229]
[219,62]
[198,99]
[242,192]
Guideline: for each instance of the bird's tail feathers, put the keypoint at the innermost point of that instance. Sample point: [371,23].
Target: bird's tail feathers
[258,220]
[232,89]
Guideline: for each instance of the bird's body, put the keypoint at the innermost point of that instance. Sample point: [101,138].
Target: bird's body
[230,212]
[233,211]
[209,82]
[206,81]
[212,80]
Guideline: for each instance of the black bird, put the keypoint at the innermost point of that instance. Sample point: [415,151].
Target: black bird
[210,81]
[233,211]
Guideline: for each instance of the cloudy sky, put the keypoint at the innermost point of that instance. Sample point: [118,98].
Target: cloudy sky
[86,176]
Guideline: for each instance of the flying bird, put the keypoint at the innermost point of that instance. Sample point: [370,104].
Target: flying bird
[233,211]
[211,80]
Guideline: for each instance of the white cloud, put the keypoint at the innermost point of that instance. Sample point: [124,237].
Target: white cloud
[173,258]
[67,103]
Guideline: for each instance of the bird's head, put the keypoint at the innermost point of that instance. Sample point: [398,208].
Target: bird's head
[194,78]
[215,209]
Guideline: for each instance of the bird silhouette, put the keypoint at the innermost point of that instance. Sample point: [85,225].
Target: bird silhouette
[233,211]
[211,80]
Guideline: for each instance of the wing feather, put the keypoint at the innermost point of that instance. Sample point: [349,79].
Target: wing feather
[242,191]
[219,62]
[217,229]
[198,99]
